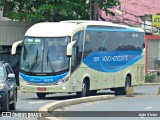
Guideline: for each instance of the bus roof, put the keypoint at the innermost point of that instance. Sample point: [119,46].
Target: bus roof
[101,23]
[68,28]
[50,29]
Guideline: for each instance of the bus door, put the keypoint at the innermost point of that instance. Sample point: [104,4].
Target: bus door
[76,60]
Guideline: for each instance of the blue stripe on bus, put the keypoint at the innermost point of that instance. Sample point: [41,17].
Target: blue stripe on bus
[113,29]
[43,79]
[112,61]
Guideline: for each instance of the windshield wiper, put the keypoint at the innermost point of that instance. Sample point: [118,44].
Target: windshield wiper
[34,62]
[49,61]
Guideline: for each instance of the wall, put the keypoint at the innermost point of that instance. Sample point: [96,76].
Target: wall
[10,32]
[152,53]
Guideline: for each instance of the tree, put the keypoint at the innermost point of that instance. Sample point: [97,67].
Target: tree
[54,10]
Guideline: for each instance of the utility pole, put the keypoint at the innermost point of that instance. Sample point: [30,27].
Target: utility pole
[145,23]
[93,9]
[96,6]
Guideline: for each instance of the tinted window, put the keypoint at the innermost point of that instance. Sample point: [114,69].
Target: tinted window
[93,41]
[112,39]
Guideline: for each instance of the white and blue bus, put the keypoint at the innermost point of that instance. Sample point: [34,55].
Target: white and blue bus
[81,57]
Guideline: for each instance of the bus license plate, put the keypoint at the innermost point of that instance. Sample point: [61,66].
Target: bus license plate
[41,88]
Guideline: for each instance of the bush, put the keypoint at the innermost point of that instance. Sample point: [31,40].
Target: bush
[150,77]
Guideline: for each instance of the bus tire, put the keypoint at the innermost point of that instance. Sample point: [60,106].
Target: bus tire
[123,90]
[41,95]
[85,90]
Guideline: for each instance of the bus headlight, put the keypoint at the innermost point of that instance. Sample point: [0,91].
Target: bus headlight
[63,80]
[2,85]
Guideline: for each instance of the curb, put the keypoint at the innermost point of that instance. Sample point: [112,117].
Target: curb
[151,84]
[60,104]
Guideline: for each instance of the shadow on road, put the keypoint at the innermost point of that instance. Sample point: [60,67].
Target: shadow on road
[66,96]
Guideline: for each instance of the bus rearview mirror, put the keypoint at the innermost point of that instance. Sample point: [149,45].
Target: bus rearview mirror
[14,47]
[69,48]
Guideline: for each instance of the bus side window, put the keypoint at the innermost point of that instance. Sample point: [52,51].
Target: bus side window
[89,45]
[77,50]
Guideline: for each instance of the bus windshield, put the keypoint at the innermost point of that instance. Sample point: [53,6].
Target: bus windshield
[44,55]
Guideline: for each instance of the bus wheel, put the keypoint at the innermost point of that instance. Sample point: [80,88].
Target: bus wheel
[41,95]
[123,90]
[85,90]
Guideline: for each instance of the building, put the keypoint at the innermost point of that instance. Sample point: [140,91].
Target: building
[10,32]
[132,11]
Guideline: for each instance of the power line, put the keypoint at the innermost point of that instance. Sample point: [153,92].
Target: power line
[132,25]
[130,13]
[104,19]
[135,21]
[122,21]
[130,20]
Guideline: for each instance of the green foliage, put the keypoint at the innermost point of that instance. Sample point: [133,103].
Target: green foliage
[53,10]
[150,77]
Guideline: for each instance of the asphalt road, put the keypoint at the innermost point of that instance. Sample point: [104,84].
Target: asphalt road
[30,102]
[130,104]
[146,99]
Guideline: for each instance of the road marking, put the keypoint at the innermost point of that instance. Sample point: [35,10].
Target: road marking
[142,117]
[37,102]
[148,108]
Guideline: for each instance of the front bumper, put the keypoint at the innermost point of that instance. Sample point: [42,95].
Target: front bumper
[48,89]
